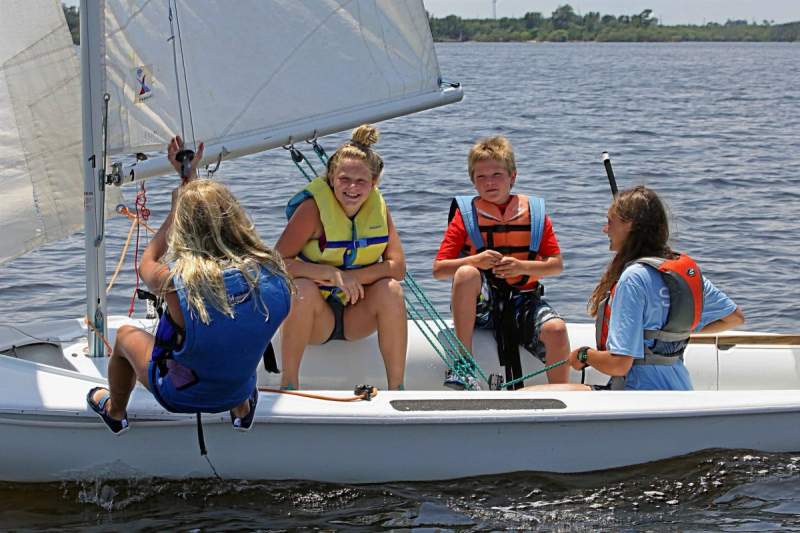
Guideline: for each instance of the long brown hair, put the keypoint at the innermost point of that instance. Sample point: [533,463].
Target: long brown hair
[649,236]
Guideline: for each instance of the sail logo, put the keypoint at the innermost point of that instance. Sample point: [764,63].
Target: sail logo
[143,88]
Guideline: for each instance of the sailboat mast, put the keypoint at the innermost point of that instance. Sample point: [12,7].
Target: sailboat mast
[91,107]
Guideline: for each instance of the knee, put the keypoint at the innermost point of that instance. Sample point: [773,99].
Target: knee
[123,333]
[467,278]
[307,292]
[387,290]
[554,329]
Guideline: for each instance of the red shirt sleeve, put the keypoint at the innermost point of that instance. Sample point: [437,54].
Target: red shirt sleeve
[455,237]
[549,246]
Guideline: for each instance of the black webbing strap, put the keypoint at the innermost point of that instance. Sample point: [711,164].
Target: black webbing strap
[201,441]
[270,363]
[506,334]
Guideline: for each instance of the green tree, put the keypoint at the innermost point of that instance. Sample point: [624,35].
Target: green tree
[563,16]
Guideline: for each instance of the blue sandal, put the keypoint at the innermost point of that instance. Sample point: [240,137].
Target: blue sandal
[117,427]
[244,424]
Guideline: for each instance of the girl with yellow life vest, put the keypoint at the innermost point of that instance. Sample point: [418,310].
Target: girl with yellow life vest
[345,256]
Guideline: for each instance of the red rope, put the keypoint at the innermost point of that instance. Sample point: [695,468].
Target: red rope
[142,213]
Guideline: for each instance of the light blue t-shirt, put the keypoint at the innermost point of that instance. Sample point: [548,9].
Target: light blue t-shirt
[641,301]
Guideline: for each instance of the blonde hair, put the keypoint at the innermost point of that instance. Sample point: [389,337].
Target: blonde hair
[358,148]
[496,148]
[210,233]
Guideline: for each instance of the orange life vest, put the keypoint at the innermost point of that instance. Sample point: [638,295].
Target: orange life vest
[684,281]
[516,231]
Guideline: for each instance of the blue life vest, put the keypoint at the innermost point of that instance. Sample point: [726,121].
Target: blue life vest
[213,368]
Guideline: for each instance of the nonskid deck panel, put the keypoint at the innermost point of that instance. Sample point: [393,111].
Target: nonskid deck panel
[485,404]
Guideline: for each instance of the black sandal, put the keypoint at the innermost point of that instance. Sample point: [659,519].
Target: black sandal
[117,427]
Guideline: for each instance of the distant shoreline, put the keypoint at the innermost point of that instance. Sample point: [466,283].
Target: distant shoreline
[565,25]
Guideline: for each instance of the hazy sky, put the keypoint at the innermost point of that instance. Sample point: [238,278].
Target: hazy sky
[669,11]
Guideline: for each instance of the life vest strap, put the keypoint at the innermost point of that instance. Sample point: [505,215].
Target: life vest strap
[651,358]
[358,243]
[503,228]
[666,336]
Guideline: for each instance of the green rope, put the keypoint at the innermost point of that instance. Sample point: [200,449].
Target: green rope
[527,376]
[297,158]
[430,335]
[463,358]
[320,151]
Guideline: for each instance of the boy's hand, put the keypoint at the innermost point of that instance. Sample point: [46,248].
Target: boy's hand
[509,267]
[486,259]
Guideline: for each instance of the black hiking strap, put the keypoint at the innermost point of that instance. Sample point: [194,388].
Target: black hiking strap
[270,363]
[201,441]
[506,334]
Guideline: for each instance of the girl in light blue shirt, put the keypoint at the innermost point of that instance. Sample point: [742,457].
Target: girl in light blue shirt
[637,227]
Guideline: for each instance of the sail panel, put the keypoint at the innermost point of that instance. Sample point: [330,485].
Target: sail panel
[251,67]
[40,135]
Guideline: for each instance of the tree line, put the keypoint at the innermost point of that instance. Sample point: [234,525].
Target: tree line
[565,24]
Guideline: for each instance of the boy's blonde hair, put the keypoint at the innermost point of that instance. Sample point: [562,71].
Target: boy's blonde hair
[359,149]
[210,233]
[496,148]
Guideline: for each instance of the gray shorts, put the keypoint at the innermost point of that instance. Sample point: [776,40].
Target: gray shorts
[531,313]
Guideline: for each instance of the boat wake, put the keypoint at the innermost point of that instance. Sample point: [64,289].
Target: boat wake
[719,490]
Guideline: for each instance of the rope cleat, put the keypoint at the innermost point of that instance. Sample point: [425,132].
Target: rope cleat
[366,392]
[496,382]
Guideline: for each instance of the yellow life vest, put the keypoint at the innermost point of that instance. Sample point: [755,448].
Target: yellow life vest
[346,243]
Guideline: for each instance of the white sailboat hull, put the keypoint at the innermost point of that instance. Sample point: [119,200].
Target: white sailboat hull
[48,434]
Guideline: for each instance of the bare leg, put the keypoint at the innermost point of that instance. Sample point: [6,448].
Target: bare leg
[384,309]
[310,321]
[465,292]
[554,337]
[129,360]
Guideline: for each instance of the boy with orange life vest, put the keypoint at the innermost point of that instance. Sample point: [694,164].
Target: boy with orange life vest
[496,248]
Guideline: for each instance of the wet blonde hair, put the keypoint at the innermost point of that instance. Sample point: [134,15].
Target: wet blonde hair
[496,148]
[210,233]
[358,148]
[649,236]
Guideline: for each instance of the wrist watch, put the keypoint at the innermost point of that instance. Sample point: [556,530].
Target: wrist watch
[583,355]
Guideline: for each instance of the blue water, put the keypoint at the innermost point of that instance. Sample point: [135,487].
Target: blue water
[715,128]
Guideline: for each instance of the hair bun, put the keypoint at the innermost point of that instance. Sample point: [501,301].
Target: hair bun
[365,135]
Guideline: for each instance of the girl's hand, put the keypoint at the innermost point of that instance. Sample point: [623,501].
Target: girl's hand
[175,145]
[347,282]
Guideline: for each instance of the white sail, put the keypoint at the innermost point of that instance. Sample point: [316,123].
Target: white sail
[40,128]
[41,173]
[257,72]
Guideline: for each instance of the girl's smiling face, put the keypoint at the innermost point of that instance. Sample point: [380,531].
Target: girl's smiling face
[351,183]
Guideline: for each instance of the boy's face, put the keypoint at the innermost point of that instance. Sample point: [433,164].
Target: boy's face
[492,180]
